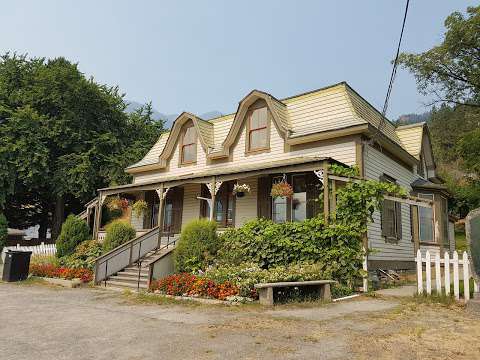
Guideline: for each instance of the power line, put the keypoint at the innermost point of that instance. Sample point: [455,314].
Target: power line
[392,76]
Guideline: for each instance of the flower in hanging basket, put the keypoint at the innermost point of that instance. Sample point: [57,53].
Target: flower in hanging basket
[240,189]
[117,204]
[281,189]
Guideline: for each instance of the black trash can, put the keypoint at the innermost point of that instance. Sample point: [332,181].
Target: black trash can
[16,265]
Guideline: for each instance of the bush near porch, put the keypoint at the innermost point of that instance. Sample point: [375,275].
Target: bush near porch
[197,247]
[118,232]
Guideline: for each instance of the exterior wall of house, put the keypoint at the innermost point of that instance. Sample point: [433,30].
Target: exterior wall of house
[376,164]
[191,205]
[246,207]
[341,149]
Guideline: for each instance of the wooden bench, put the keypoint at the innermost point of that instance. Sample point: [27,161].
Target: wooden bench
[265,290]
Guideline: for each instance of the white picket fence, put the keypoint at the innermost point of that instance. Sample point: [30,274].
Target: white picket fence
[42,249]
[446,283]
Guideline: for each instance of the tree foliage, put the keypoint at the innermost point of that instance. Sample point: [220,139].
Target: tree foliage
[62,136]
[451,70]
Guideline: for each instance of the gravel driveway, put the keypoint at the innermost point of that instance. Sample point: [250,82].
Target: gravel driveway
[43,322]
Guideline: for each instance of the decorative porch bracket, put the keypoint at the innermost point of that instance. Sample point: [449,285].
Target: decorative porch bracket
[319,174]
[213,187]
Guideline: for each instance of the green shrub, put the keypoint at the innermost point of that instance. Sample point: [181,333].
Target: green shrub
[197,246]
[74,231]
[84,255]
[3,231]
[118,233]
[268,245]
[246,275]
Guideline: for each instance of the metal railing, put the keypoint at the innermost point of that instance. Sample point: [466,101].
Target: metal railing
[126,254]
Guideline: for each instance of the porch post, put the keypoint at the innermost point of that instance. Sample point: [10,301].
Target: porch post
[98,215]
[213,193]
[160,213]
[326,192]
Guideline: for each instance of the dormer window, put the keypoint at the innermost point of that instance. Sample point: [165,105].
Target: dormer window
[258,138]
[189,146]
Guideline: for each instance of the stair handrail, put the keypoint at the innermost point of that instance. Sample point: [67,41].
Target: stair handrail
[120,250]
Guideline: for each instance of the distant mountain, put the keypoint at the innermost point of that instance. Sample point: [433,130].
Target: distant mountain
[168,118]
[407,119]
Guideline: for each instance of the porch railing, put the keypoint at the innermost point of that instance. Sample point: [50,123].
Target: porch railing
[126,254]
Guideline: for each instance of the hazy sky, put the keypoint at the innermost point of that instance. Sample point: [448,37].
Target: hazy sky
[200,56]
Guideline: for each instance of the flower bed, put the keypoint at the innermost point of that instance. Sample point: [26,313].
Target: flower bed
[192,285]
[52,271]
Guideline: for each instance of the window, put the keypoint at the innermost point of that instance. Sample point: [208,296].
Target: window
[425,221]
[391,216]
[189,146]
[299,199]
[294,208]
[257,130]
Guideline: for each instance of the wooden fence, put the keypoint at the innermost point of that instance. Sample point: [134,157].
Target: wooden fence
[454,270]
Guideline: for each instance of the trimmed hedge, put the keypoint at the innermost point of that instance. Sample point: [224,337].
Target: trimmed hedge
[197,246]
[74,231]
[118,233]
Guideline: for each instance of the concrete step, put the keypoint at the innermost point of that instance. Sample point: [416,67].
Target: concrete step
[128,279]
[134,271]
[126,284]
[132,274]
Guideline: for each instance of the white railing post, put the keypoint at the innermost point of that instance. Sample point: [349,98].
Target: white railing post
[456,291]
[438,275]
[428,272]
[446,268]
[419,272]
[466,278]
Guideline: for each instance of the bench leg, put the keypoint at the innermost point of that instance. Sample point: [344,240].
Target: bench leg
[266,296]
[325,293]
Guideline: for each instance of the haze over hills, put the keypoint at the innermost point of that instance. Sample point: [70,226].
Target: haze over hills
[167,118]
[413,118]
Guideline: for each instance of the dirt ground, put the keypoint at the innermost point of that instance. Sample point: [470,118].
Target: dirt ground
[45,322]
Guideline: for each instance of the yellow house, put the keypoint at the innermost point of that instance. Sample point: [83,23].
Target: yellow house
[192,170]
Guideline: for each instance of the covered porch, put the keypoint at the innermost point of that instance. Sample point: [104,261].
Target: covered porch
[175,201]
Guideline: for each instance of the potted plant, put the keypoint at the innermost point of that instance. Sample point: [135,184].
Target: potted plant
[281,189]
[239,190]
[139,208]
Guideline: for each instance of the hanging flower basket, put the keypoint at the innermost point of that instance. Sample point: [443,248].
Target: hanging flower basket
[139,208]
[239,190]
[117,204]
[281,189]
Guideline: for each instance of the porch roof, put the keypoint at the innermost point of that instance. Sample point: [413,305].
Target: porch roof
[293,164]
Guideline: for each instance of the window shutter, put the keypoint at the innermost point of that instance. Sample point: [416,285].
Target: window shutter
[264,201]
[382,220]
[398,212]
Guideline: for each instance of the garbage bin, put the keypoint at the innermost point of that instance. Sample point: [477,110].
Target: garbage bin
[15,267]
